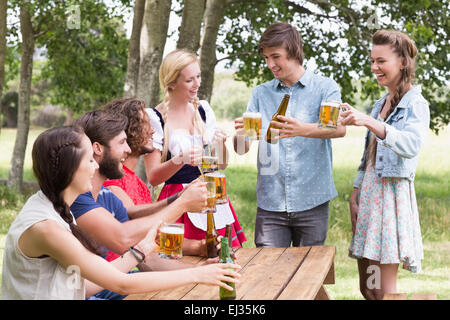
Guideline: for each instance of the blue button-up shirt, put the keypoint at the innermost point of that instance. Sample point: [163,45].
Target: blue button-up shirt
[296,174]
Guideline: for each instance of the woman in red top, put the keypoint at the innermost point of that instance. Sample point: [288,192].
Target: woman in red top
[182,122]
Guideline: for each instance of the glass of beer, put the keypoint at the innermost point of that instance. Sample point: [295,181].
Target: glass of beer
[252,125]
[171,237]
[211,197]
[210,160]
[221,189]
[329,113]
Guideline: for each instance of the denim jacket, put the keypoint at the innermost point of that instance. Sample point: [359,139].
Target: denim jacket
[406,130]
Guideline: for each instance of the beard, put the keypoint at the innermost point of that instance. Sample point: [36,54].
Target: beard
[110,167]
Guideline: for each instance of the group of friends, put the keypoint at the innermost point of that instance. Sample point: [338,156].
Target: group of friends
[93,219]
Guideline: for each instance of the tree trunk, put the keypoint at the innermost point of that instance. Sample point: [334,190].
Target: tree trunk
[3,7]
[189,37]
[26,68]
[133,50]
[214,14]
[152,42]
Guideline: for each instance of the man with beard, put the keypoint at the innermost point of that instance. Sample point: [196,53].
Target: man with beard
[130,189]
[103,216]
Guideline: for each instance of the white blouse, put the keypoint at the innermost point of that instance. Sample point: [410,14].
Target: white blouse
[26,278]
[180,141]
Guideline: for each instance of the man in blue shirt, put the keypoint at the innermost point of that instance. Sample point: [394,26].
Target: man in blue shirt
[295,181]
[102,215]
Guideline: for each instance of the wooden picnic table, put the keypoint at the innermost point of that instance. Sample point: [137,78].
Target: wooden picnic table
[296,273]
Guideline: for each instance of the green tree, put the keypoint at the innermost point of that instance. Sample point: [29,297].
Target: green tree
[337,35]
[86,61]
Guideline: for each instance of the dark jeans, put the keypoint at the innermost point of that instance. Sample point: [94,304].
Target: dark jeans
[303,228]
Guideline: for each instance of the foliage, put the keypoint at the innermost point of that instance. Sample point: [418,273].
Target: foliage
[337,36]
[88,67]
[230,97]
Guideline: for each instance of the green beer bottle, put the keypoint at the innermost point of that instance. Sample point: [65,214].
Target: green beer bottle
[280,112]
[225,257]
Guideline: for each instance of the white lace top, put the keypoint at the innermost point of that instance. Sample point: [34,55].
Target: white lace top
[181,140]
[26,278]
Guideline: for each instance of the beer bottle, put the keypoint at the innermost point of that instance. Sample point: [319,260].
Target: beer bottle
[225,257]
[229,235]
[211,237]
[280,112]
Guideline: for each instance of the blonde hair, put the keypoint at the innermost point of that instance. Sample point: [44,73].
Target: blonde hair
[405,48]
[169,71]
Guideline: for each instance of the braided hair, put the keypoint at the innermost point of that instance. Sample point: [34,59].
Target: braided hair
[405,48]
[169,71]
[56,157]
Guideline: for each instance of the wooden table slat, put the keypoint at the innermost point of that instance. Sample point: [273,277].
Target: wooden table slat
[307,282]
[267,273]
[257,261]
[170,294]
[281,272]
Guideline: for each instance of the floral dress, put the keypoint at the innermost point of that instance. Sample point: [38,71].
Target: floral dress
[387,227]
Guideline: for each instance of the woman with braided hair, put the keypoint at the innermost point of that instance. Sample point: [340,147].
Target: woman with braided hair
[48,257]
[182,122]
[384,215]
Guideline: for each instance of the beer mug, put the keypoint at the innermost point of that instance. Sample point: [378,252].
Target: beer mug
[171,237]
[211,197]
[221,189]
[210,160]
[252,125]
[329,114]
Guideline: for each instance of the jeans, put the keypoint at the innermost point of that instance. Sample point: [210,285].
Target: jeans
[303,228]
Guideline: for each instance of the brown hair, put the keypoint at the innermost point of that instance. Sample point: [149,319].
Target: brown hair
[101,126]
[138,129]
[56,157]
[405,48]
[282,34]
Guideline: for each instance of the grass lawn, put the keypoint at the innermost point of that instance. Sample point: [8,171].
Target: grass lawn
[432,190]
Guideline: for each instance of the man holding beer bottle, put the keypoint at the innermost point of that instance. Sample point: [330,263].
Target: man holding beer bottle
[295,182]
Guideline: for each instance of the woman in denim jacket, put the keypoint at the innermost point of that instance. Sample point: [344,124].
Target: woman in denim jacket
[385,219]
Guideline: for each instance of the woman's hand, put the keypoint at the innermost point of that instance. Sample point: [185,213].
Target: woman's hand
[220,136]
[192,156]
[217,274]
[352,117]
[354,207]
[149,243]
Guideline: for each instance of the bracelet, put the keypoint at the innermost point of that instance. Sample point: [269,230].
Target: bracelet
[172,198]
[135,253]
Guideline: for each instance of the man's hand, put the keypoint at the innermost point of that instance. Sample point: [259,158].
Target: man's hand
[194,196]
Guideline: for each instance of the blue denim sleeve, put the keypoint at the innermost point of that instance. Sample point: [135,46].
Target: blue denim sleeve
[407,141]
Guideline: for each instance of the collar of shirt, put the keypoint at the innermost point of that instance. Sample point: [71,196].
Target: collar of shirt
[304,80]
